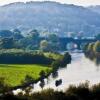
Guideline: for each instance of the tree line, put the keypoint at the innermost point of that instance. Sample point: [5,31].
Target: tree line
[92,51]
[19,56]
[16,56]
[32,40]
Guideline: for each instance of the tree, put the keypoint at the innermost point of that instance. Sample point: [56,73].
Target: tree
[34,34]
[17,34]
[6,43]
[55,65]
[85,47]
[28,80]
[33,39]
[42,75]
[51,44]
[53,38]
[90,47]
[42,83]
[66,59]
[6,33]
[89,50]
[96,47]
[44,45]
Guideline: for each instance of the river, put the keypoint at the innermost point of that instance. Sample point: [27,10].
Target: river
[80,70]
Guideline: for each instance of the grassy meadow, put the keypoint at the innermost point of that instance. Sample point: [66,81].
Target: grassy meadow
[14,74]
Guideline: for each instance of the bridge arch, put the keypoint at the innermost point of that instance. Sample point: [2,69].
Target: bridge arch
[79,42]
[71,46]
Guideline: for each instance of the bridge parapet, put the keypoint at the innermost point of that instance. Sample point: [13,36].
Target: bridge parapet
[64,41]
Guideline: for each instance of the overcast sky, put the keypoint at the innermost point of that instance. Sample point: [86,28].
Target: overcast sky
[77,2]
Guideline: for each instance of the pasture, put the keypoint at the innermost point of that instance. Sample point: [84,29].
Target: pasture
[14,74]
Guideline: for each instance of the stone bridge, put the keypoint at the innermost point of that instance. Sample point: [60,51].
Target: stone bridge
[79,42]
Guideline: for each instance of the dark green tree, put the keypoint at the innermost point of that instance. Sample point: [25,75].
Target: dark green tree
[42,75]
[6,43]
[6,33]
[66,59]
[17,34]
[42,83]
[96,47]
[34,34]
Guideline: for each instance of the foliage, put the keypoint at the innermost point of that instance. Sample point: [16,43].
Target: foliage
[23,57]
[6,43]
[3,86]
[80,92]
[44,45]
[17,34]
[90,47]
[34,34]
[52,38]
[32,41]
[66,59]
[42,83]
[55,56]
[92,51]
[6,33]
[96,47]
[28,80]
[42,75]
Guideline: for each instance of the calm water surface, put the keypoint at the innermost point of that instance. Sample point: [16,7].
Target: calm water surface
[81,69]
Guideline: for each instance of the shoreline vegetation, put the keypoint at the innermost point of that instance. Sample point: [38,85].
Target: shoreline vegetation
[82,91]
[92,51]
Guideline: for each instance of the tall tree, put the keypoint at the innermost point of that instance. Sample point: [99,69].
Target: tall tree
[96,47]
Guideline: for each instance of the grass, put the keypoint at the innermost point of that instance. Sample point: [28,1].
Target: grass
[53,55]
[14,74]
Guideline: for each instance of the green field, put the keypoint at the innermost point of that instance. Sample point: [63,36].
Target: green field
[14,74]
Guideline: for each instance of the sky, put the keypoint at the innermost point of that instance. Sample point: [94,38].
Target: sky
[76,2]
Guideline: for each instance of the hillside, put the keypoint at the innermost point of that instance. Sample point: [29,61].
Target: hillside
[95,8]
[51,16]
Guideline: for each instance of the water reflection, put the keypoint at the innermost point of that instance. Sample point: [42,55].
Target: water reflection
[97,61]
[55,74]
[80,70]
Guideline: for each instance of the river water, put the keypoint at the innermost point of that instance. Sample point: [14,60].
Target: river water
[80,70]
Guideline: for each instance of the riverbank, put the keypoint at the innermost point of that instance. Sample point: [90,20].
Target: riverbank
[74,92]
[92,52]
